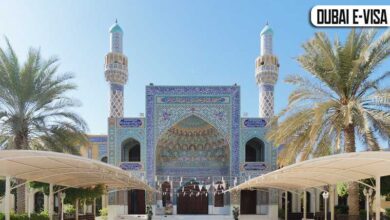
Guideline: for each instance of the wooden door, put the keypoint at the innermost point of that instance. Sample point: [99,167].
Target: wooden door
[248,202]
[192,200]
[136,201]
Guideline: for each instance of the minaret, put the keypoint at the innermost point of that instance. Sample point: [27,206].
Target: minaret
[116,71]
[267,70]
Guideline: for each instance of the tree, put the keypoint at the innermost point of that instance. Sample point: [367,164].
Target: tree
[342,100]
[34,109]
[87,194]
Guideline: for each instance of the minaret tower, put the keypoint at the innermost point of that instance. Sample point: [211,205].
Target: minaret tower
[267,70]
[116,71]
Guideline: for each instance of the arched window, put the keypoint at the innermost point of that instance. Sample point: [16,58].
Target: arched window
[131,151]
[39,200]
[254,150]
[166,193]
[104,159]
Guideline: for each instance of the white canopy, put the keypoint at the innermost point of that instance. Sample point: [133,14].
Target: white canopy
[66,170]
[323,171]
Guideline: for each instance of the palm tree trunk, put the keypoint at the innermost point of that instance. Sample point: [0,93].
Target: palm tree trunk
[21,143]
[353,187]
[20,197]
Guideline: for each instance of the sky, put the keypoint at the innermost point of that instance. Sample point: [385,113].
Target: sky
[170,42]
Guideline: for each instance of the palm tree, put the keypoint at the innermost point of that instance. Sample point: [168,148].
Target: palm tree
[341,101]
[34,108]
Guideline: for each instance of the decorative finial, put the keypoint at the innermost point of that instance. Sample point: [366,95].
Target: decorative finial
[266,23]
[116,20]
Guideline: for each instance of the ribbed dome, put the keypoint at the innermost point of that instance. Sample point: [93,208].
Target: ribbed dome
[115,28]
[192,142]
[266,30]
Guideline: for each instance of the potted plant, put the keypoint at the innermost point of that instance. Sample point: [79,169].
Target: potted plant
[236,213]
[149,212]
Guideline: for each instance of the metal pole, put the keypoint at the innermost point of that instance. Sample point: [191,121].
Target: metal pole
[29,193]
[304,204]
[94,207]
[367,208]
[378,197]
[77,209]
[62,206]
[326,209]
[7,198]
[51,201]
[285,205]
[331,202]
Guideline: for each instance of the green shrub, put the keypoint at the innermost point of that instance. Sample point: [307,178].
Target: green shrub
[69,209]
[19,217]
[2,216]
[281,213]
[341,209]
[104,213]
[44,213]
[387,212]
[41,216]
[363,214]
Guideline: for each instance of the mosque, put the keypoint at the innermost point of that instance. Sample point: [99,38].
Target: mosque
[191,145]
[192,142]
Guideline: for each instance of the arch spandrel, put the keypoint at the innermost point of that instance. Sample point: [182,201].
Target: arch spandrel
[214,115]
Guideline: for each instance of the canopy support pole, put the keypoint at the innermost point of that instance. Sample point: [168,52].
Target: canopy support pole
[304,204]
[29,195]
[378,197]
[285,205]
[331,201]
[77,209]
[51,201]
[62,204]
[7,197]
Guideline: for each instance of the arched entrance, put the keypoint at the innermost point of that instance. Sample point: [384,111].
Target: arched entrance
[39,200]
[193,149]
[191,199]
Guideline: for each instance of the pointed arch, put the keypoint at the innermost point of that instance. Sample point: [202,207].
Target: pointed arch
[194,145]
[255,150]
[131,150]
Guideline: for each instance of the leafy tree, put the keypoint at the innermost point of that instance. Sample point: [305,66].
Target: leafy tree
[88,193]
[341,101]
[34,109]
[342,189]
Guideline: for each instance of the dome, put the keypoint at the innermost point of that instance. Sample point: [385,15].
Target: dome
[266,30]
[115,28]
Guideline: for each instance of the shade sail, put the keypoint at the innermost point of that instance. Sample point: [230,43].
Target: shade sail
[66,170]
[323,171]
